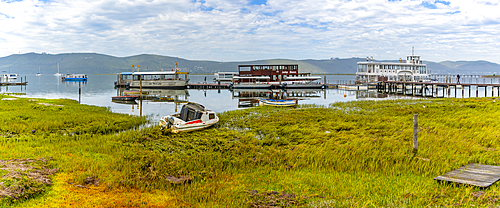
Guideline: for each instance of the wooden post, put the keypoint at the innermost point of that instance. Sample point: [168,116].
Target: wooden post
[415,133]
[463,91]
[79,92]
[140,92]
[140,86]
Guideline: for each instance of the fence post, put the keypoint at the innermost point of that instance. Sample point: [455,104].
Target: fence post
[415,133]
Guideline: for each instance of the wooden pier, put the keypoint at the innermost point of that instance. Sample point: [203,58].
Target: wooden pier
[12,83]
[431,89]
[5,82]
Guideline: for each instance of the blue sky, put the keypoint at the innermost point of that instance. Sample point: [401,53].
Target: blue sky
[242,30]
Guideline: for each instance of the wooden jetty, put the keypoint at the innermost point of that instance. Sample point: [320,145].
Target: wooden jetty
[432,89]
[12,83]
[473,174]
[7,83]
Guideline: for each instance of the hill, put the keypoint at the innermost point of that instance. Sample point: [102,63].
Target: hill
[93,63]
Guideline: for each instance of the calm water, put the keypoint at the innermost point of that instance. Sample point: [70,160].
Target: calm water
[99,89]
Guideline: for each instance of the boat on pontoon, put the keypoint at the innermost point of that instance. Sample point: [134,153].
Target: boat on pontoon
[193,116]
[153,79]
[273,76]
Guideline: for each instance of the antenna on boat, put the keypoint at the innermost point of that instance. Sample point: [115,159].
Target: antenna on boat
[412,50]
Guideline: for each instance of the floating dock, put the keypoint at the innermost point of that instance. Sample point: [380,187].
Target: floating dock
[473,174]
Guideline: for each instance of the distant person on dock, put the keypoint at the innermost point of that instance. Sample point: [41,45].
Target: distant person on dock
[458,78]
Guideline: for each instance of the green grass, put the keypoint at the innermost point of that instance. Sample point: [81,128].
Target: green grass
[352,154]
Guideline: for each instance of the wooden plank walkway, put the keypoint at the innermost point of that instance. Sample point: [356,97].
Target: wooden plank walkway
[473,174]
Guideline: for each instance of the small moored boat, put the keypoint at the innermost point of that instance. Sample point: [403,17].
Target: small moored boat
[124,98]
[193,117]
[273,102]
[75,77]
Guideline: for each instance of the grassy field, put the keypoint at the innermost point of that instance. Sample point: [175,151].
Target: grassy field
[352,154]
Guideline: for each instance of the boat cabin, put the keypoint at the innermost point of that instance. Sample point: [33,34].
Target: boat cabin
[271,73]
[156,79]
[194,111]
[136,76]
[75,76]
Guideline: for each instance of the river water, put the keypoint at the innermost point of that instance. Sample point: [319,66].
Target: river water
[99,89]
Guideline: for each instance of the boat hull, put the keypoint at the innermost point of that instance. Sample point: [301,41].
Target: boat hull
[124,98]
[251,86]
[75,79]
[272,102]
[167,84]
[178,125]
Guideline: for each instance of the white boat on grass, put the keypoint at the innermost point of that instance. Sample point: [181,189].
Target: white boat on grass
[193,116]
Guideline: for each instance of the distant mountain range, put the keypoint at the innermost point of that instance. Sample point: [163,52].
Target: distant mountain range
[93,63]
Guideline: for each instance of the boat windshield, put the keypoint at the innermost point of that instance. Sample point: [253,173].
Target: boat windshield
[192,111]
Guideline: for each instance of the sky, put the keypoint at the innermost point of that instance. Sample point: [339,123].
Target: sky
[244,30]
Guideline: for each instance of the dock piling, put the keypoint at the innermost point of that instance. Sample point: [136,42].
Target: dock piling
[415,133]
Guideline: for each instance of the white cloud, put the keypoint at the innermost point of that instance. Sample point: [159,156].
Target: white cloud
[235,30]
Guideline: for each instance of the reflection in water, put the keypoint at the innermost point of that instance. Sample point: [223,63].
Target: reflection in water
[177,97]
[99,89]
[250,97]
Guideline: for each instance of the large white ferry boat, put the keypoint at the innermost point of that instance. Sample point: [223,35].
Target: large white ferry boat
[413,70]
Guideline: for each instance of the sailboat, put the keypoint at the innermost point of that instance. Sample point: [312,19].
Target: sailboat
[57,74]
[39,74]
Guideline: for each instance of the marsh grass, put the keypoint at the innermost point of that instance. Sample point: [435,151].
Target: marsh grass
[352,154]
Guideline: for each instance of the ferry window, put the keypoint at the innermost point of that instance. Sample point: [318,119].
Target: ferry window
[211,116]
[246,68]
